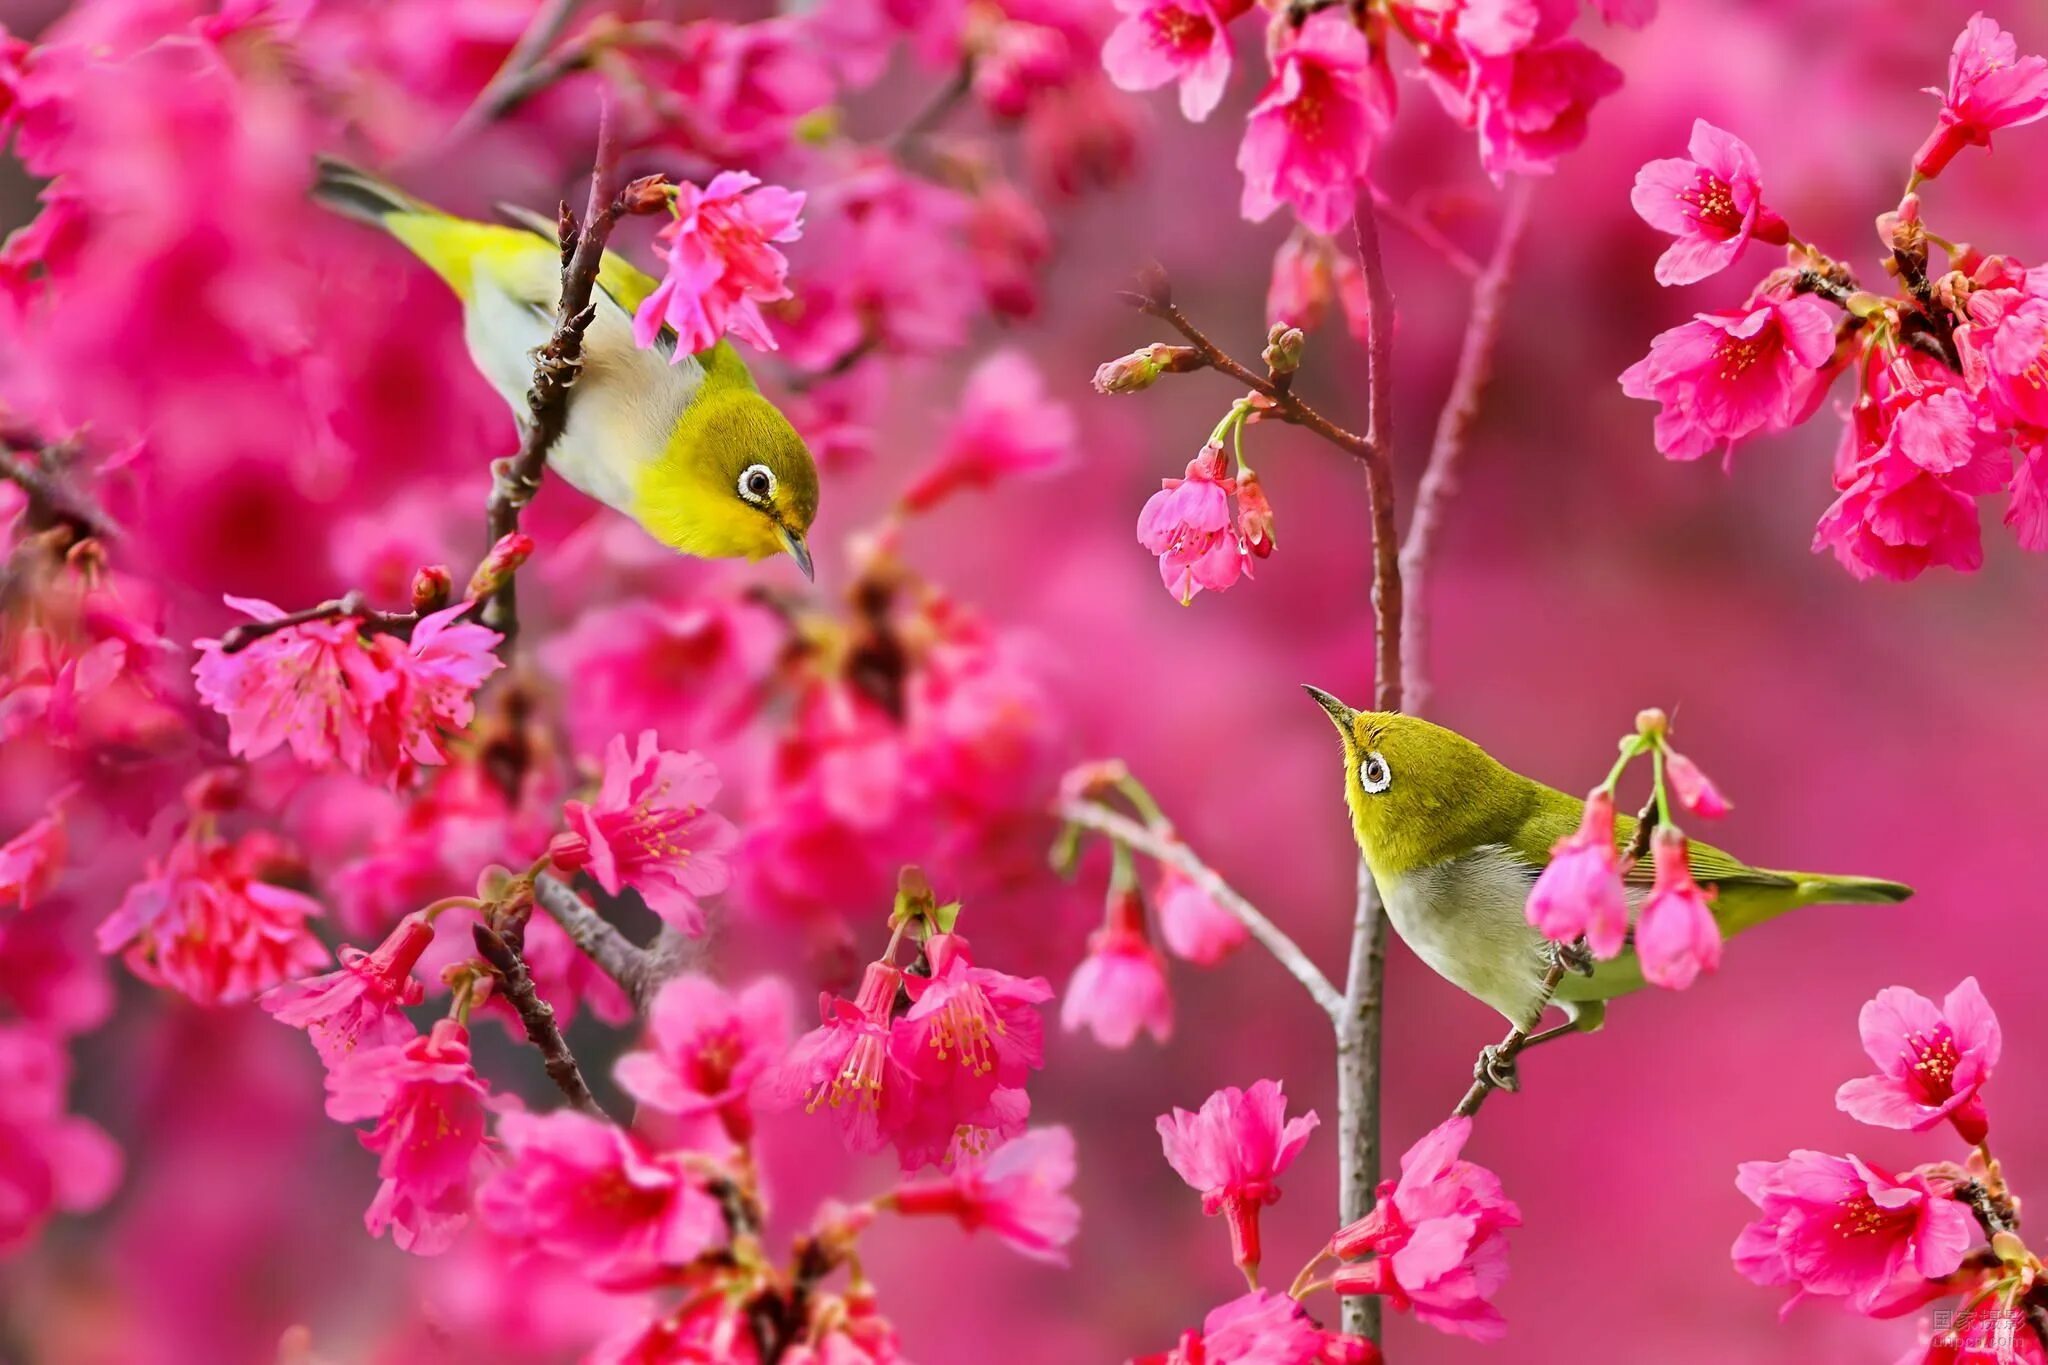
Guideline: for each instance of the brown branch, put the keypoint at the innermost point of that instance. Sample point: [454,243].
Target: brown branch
[1161,846]
[556,365]
[1359,1028]
[934,112]
[516,984]
[51,498]
[596,937]
[352,603]
[1518,1037]
[1286,404]
[1453,428]
[529,68]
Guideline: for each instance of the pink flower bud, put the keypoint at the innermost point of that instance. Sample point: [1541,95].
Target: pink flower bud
[1580,893]
[1693,788]
[568,853]
[1141,368]
[431,588]
[512,550]
[1254,516]
[1676,937]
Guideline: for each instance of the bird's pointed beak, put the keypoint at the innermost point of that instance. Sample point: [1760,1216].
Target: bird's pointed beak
[1341,715]
[793,541]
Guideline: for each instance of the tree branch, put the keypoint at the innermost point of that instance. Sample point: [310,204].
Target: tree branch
[516,983]
[555,366]
[1359,1026]
[598,938]
[526,71]
[1453,426]
[1165,848]
[51,498]
[238,638]
[1425,232]
[1518,1037]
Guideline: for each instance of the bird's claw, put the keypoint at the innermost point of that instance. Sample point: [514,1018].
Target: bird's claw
[1496,1067]
[1574,956]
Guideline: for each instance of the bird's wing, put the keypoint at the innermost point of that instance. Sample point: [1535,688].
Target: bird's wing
[1556,815]
[620,278]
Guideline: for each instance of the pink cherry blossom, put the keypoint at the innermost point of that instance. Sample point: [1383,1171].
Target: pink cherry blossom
[428,1107]
[1712,204]
[741,87]
[1731,374]
[721,264]
[1932,1061]
[1990,86]
[1018,1192]
[1120,987]
[1264,1327]
[32,860]
[1676,936]
[1915,454]
[1987,1335]
[1233,1152]
[971,1028]
[1530,105]
[1837,1225]
[358,1006]
[50,1161]
[1693,788]
[1579,894]
[649,830]
[1191,923]
[1010,242]
[1188,524]
[708,1328]
[583,1189]
[1308,271]
[1311,135]
[1439,1235]
[709,1048]
[2016,362]
[1188,41]
[205,922]
[847,1063]
[1006,428]
[1018,63]
[377,705]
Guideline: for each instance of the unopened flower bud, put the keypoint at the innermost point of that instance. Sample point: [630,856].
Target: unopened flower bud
[1141,368]
[1651,722]
[1254,515]
[568,853]
[1283,348]
[648,194]
[512,550]
[494,883]
[431,588]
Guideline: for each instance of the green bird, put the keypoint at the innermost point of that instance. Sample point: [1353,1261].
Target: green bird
[1455,841]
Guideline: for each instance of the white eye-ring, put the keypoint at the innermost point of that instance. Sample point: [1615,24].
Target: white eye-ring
[757,484]
[1374,775]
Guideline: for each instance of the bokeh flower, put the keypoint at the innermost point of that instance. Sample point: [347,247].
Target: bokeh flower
[1120,987]
[708,1048]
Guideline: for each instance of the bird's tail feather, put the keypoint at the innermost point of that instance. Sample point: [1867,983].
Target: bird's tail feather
[1818,889]
[358,194]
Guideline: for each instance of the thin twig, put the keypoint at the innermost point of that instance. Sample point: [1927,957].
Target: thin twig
[1163,847]
[1518,1037]
[1359,1026]
[51,498]
[556,365]
[598,938]
[927,119]
[1453,426]
[1286,404]
[526,70]
[1429,234]
[351,603]
[516,984]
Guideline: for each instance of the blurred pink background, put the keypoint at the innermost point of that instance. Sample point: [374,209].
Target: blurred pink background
[1869,728]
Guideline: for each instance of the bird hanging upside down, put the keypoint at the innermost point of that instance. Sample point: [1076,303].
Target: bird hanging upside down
[1455,842]
[688,448]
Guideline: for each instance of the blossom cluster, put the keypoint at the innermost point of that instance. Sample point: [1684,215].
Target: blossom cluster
[1947,407]
[1890,1243]
[1583,892]
[1434,1243]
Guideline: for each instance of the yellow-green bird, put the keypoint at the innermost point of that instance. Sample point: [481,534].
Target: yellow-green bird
[1455,841]
[687,447]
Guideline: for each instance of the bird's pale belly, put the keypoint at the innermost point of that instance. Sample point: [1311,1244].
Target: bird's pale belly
[1466,919]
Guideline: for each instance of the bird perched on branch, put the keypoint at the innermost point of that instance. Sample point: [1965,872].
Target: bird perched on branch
[690,449]
[1455,841]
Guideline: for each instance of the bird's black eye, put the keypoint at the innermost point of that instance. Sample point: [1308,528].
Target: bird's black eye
[757,483]
[1374,774]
